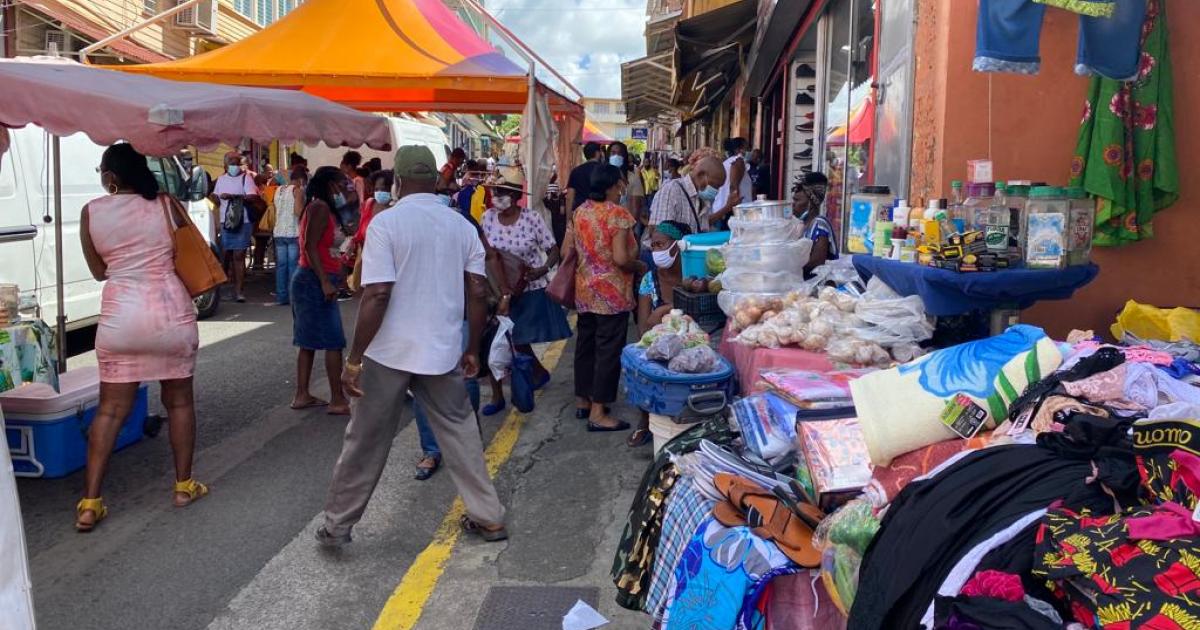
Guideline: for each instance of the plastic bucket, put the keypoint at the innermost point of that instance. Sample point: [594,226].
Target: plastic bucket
[664,429]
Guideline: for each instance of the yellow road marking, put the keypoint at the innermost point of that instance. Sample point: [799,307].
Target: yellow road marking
[403,609]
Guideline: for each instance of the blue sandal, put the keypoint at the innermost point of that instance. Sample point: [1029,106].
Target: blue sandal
[492,409]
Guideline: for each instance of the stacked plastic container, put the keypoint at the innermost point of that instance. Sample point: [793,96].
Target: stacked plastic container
[766,253]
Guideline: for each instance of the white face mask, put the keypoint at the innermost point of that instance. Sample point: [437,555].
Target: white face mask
[665,259]
[502,203]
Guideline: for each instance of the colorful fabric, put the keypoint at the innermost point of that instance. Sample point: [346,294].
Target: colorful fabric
[686,509]
[1126,150]
[836,454]
[634,561]
[888,481]
[1093,8]
[600,286]
[718,568]
[900,409]
[529,238]
[810,389]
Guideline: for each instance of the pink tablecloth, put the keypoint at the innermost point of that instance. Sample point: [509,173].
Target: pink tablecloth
[748,361]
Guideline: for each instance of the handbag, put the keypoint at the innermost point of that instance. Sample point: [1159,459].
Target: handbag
[562,286]
[195,263]
[509,275]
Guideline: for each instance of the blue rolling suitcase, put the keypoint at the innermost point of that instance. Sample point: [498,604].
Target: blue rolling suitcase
[652,387]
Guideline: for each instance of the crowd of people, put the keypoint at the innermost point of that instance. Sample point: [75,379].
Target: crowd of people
[429,308]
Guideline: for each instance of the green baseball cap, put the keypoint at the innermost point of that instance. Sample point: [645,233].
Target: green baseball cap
[415,162]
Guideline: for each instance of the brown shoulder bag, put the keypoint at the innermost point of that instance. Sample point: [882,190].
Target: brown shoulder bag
[195,264]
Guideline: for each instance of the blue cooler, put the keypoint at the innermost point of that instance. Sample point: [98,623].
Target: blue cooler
[47,430]
[652,387]
[695,264]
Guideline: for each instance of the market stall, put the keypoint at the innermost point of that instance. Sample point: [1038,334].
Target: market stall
[157,117]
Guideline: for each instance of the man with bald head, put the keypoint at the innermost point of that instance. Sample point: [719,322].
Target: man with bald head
[686,198]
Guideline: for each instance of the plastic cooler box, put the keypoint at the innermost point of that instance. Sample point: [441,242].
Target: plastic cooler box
[655,389]
[694,265]
[47,430]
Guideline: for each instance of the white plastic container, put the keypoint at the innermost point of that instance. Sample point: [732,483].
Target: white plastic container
[788,256]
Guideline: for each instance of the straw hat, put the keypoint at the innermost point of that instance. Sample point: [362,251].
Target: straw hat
[514,182]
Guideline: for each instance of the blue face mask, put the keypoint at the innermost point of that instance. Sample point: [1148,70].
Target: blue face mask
[383,196]
[280,180]
[709,194]
[617,160]
[339,201]
[234,170]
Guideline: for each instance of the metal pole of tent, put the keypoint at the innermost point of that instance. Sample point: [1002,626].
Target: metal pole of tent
[60,300]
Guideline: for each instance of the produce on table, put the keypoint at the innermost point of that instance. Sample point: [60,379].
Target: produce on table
[714,262]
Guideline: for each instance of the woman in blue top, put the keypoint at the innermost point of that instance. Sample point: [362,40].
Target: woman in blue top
[655,292]
[808,195]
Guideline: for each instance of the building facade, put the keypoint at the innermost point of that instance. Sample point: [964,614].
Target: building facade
[38,27]
[608,114]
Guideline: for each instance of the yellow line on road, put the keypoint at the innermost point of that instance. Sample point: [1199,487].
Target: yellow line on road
[404,607]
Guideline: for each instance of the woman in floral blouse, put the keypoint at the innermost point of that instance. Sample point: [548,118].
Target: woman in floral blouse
[602,235]
[536,319]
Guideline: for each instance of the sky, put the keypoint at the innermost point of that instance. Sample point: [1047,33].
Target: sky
[585,40]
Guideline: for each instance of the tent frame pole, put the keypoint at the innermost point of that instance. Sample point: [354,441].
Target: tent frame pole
[59,278]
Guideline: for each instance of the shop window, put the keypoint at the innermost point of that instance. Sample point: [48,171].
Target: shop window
[848,117]
[150,7]
[245,7]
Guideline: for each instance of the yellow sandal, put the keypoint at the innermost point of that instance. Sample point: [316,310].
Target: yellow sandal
[192,488]
[96,507]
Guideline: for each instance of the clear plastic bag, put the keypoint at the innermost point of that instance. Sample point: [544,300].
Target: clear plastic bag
[698,360]
[751,306]
[665,347]
[749,281]
[750,232]
[500,357]
[787,256]
[889,319]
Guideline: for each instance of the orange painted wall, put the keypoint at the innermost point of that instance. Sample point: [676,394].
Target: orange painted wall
[1028,126]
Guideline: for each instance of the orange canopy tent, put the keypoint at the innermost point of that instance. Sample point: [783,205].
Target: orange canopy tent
[591,133]
[372,55]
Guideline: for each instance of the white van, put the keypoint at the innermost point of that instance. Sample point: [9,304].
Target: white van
[404,131]
[27,230]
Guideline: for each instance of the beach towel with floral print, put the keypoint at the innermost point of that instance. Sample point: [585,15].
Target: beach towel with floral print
[1126,150]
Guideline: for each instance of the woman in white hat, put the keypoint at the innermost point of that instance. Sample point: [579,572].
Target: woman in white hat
[523,234]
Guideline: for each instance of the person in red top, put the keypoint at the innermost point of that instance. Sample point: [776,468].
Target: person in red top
[316,319]
[446,183]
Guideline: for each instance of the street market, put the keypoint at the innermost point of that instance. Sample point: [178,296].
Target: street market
[390,314]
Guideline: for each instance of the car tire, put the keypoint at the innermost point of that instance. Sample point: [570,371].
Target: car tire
[207,303]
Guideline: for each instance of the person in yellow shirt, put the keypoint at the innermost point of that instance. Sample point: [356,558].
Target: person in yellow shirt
[650,177]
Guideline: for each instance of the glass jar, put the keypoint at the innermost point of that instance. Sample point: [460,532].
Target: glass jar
[1081,224]
[1017,194]
[1045,228]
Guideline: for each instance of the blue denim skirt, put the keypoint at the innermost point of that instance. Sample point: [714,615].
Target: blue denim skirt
[537,319]
[316,322]
[238,240]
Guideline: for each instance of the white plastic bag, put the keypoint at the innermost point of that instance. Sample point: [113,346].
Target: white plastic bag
[890,319]
[501,355]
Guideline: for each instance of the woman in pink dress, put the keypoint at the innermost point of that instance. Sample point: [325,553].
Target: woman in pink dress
[147,326]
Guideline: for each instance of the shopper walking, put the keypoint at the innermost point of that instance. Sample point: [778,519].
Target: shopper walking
[235,190]
[316,319]
[602,237]
[147,328]
[579,183]
[409,336]
[521,232]
[634,198]
[289,205]
[737,188]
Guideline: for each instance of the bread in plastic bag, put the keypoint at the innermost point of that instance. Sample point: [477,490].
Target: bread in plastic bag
[698,360]
[665,347]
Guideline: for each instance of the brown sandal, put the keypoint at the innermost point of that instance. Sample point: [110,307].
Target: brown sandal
[769,518]
[490,533]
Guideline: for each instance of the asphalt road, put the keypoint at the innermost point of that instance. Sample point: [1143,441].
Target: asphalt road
[244,557]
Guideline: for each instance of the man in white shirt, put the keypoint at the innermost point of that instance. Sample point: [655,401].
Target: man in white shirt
[418,262]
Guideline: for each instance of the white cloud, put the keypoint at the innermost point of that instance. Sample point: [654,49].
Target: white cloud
[585,40]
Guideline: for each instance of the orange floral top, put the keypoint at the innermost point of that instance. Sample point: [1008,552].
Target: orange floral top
[600,286]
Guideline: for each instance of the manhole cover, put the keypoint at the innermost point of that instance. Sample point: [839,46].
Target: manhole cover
[530,607]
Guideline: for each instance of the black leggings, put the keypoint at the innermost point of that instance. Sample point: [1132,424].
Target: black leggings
[598,356]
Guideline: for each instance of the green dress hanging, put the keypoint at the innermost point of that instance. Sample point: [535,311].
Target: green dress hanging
[1126,151]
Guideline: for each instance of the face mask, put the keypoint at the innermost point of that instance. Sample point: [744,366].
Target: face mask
[339,201]
[709,194]
[280,179]
[383,196]
[502,203]
[616,160]
[233,169]
[664,259]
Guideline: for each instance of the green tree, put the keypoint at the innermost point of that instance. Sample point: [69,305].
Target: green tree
[636,147]
[509,126]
